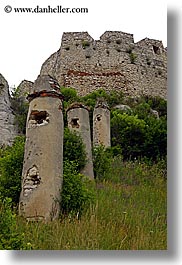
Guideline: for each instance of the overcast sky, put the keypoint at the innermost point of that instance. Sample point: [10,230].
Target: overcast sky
[27,39]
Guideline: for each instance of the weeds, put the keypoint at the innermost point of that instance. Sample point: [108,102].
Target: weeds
[129,214]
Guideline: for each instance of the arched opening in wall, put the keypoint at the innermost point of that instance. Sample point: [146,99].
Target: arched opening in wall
[156,49]
[75,123]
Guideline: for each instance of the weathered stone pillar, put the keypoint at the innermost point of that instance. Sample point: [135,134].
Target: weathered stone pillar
[101,124]
[42,174]
[78,121]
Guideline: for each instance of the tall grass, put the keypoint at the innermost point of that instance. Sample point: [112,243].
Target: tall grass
[129,214]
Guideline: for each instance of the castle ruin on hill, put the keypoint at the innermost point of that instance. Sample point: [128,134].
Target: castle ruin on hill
[114,62]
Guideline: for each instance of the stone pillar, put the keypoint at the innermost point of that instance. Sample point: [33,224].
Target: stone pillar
[42,174]
[78,121]
[101,124]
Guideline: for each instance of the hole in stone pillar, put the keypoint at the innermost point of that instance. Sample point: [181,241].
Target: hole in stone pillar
[98,117]
[38,118]
[74,123]
[32,180]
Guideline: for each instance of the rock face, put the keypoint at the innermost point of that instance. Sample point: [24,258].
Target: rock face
[101,124]
[42,174]
[114,62]
[25,88]
[78,121]
[7,128]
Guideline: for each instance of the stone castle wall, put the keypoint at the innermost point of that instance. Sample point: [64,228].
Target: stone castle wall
[114,62]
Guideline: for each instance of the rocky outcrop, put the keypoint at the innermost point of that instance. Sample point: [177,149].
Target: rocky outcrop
[7,128]
[24,89]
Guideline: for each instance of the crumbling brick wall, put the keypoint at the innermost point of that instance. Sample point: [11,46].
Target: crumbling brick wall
[114,62]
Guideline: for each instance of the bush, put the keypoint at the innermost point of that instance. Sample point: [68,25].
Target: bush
[70,94]
[74,149]
[11,163]
[101,162]
[20,108]
[158,104]
[9,238]
[142,111]
[128,132]
[78,191]
[155,146]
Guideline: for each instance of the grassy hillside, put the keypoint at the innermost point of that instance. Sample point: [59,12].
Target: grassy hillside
[124,208]
[129,213]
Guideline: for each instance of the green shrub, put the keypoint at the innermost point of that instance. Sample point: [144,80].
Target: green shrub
[133,57]
[78,191]
[102,162]
[85,44]
[158,104]
[11,163]
[10,239]
[20,108]
[70,94]
[141,135]
[74,149]
[155,146]
[142,110]
[128,132]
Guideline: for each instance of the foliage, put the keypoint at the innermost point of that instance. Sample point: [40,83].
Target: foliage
[158,104]
[139,135]
[155,146]
[142,110]
[129,133]
[78,191]
[130,213]
[70,94]
[11,163]
[20,108]
[101,162]
[133,57]
[10,239]
[74,149]
[85,44]
[112,98]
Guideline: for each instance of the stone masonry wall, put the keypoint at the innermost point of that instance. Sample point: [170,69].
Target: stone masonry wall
[114,62]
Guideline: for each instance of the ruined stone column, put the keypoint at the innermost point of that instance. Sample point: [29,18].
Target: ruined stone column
[78,121]
[101,124]
[42,174]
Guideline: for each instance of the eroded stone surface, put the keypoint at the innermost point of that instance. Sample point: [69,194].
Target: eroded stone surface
[78,121]
[7,118]
[101,124]
[42,174]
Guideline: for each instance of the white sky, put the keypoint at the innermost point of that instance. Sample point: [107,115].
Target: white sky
[27,40]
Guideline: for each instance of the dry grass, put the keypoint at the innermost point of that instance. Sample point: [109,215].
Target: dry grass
[124,217]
